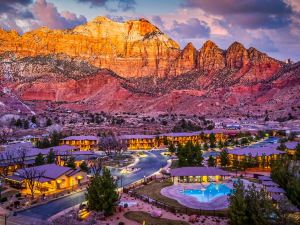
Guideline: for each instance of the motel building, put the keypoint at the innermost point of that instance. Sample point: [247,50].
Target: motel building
[198,175]
[84,143]
[147,142]
[139,142]
[51,179]
[11,159]
[269,153]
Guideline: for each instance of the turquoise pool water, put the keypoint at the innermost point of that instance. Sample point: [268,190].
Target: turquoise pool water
[211,192]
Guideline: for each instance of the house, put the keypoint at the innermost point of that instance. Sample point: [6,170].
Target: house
[83,142]
[48,179]
[197,174]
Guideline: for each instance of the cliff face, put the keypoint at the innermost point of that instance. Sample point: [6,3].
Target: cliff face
[133,66]
[134,48]
[131,49]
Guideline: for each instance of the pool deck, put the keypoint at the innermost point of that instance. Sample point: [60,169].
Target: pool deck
[175,192]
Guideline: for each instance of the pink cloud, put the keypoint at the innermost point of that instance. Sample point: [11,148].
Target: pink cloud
[49,16]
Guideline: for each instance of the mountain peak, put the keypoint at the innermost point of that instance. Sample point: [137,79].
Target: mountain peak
[236,46]
[209,44]
[189,46]
[101,19]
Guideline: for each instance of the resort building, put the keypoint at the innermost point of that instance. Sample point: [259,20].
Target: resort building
[264,155]
[147,142]
[197,174]
[12,159]
[139,142]
[48,179]
[84,143]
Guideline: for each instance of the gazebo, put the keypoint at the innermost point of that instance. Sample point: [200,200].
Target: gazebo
[197,174]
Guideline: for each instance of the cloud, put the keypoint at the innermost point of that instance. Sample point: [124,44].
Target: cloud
[49,16]
[10,5]
[250,14]
[112,5]
[193,28]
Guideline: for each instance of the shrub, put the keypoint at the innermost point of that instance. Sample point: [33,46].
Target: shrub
[18,195]
[4,199]
[121,223]
[125,205]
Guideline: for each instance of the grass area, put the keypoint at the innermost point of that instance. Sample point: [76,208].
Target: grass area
[143,216]
[152,190]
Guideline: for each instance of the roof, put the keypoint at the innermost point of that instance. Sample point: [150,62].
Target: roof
[264,178]
[136,136]
[63,148]
[260,151]
[81,138]
[291,144]
[275,190]
[269,184]
[50,171]
[33,152]
[198,171]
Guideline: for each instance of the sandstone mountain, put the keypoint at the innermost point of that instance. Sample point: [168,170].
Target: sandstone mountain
[132,66]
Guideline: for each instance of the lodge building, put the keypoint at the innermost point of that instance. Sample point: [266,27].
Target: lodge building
[84,143]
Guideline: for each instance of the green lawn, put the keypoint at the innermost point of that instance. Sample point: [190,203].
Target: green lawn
[143,216]
[152,190]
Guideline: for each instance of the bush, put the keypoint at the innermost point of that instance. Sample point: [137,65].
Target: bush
[4,199]
[121,223]
[125,205]
[18,195]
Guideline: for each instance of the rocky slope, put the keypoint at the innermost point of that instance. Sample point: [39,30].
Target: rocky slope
[109,66]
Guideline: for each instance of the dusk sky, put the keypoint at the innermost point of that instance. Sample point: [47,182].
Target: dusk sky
[272,26]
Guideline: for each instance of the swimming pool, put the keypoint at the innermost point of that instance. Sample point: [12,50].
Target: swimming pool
[209,193]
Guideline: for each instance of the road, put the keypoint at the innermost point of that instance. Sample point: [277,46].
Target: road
[149,165]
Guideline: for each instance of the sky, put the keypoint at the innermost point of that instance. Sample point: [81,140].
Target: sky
[271,26]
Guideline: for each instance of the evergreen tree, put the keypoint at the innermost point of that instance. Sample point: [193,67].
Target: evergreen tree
[250,206]
[33,119]
[84,167]
[224,158]
[238,206]
[297,153]
[212,140]
[102,195]
[55,138]
[48,122]
[71,162]
[51,157]
[172,148]
[39,160]
[205,146]
[211,161]
[26,124]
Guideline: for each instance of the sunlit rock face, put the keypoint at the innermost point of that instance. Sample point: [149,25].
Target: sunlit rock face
[133,66]
[135,48]
[131,49]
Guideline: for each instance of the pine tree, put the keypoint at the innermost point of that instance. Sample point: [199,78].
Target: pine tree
[84,167]
[211,161]
[102,193]
[51,157]
[71,162]
[297,153]
[224,158]
[172,148]
[238,205]
[39,160]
